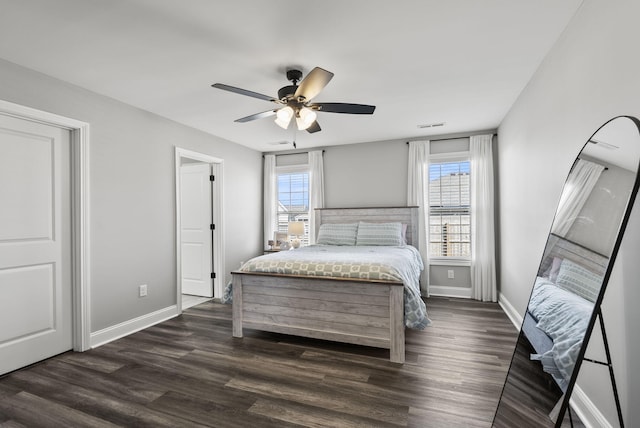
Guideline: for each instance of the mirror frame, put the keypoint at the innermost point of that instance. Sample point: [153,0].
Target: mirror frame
[597,304]
[605,281]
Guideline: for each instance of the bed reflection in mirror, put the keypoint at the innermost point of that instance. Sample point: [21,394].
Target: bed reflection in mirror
[583,240]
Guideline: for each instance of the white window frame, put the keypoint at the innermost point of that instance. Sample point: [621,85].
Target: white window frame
[292,169]
[446,260]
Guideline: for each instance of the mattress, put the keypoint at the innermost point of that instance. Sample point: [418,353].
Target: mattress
[383,263]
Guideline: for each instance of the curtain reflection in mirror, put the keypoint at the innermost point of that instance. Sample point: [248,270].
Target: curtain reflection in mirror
[579,185]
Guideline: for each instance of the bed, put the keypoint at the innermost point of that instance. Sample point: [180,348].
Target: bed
[561,305]
[349,306]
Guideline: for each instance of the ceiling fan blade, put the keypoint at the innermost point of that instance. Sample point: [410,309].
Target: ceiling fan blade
[313,83]
[256,116]
[315,127]
[344,108]
[243,92]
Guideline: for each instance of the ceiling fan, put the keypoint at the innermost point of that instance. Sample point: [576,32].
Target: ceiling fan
[295,101]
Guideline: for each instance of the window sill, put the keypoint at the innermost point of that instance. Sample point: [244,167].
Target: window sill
[449,262]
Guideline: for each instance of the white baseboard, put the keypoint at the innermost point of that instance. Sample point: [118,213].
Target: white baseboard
[126,328]
[511,312]
[588,413]
[448,291]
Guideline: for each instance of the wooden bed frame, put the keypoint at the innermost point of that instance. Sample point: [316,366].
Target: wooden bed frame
[362,312]
[558,246]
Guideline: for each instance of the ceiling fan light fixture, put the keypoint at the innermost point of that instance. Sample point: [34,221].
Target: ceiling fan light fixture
[283,117]
[295,101]
[305,118]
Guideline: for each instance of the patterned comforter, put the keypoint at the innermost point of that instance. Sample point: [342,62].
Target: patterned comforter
[402,264]
[564,317]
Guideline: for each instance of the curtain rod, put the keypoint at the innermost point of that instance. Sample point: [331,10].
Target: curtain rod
[450,138]
[606,168]
[295,153]
[444,139]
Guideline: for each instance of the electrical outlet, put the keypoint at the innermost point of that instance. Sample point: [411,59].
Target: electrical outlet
[142,290]
[450,274]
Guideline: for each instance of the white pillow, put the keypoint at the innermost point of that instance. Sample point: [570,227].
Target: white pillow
[337,234]
[380,234]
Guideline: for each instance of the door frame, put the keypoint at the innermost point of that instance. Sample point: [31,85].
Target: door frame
[80,243]
[217,166]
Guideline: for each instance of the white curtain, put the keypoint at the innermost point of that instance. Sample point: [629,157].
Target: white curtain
[316,190]
[417,195]
[270,198]
[580,183]
[483,263]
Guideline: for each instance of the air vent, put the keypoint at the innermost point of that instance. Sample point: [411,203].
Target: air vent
[279,143]
[431,125]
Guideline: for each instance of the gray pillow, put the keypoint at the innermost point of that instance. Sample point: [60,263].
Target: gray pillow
[380,234]
[337,234]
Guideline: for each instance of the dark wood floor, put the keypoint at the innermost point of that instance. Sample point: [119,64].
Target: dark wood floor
[530,394]
[189,371]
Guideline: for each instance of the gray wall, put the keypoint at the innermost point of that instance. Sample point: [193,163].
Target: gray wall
[375,174]
[366,175]
[596,227]
[132,193]
[439,276]
[590,76]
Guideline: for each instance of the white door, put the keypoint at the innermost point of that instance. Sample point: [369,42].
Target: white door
[196,233]
[35,242]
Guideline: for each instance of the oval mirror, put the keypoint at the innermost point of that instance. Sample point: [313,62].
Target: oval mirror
[586,232]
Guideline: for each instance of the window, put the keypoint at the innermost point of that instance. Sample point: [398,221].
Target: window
[293,199]
[449,207]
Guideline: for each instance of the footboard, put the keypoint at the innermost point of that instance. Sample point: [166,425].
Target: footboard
[362,312]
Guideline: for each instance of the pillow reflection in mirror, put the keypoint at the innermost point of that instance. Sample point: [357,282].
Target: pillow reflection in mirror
[573,277]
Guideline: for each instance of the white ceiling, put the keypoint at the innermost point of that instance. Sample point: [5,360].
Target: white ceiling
[462,62]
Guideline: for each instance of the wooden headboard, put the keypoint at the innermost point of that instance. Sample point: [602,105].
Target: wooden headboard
[558,246]
[404,215]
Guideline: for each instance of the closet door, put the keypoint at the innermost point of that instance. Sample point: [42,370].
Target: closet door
[196,233]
